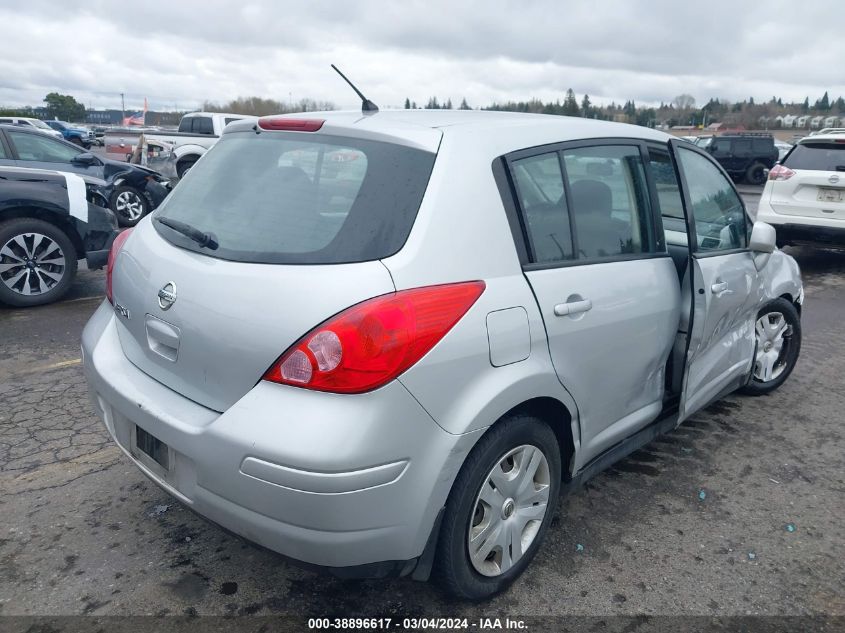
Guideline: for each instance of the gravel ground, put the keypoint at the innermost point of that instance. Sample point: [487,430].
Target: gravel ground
[738,512]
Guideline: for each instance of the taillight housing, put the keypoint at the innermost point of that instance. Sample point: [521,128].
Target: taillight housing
[780,172]
[115,249]
[368,345]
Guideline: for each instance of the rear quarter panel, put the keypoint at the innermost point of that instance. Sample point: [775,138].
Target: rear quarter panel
[461,234]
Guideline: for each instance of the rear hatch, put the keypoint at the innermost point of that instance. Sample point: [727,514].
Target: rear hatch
[817,189]
[297,222]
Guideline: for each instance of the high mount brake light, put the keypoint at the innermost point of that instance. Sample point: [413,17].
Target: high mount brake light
[779,172]
[113,252]
[290,125]
[371,343]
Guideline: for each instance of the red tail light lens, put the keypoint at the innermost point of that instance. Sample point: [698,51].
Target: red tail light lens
[370,344]
[115,249]
[290,125]
[779,172]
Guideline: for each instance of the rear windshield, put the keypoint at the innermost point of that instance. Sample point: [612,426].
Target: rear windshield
[817,156]
[294,198]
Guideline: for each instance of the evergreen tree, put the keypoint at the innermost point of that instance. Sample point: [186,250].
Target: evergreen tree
[448,104]
[840,105]
[586,107]
[805,107]
[407,103]
[464,105]
[570,104]
[823,103]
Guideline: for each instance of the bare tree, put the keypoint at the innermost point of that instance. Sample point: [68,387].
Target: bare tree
[684,102]
[258,106]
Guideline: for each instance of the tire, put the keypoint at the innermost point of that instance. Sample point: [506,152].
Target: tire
[772,366]
[184,165]
[129,205]
[522,437]
[755,174]
[54,265]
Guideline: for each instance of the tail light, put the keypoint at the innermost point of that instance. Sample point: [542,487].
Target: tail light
[290,125]
[371,343]
[115,249]
[780,172]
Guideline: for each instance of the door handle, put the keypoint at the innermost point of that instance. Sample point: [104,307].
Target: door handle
[573,307]
[719,287]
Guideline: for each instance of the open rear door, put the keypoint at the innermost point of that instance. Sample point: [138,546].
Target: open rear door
[721,341]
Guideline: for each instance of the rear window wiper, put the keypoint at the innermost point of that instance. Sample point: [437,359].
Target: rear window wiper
[206,240]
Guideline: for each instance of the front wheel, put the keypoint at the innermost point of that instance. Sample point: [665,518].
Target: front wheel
[129,205]
[778,332]
[499,509]
[37,262]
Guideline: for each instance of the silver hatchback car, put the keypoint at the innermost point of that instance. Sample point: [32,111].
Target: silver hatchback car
[386,343]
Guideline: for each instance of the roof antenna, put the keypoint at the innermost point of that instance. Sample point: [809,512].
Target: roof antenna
[366,104]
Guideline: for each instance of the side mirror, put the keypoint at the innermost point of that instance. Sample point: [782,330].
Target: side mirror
[87,159]
[762,243]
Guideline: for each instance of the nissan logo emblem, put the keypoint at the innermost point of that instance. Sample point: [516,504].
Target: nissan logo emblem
[167,295]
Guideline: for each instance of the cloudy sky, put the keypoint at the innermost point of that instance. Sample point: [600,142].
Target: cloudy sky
[181,52]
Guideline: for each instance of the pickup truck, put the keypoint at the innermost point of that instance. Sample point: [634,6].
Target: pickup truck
[77,135]
[197,132]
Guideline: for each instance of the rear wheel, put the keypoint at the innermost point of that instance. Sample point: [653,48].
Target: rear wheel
[778,332]
[37,262]
[184,165]
[755,174]
[499,509]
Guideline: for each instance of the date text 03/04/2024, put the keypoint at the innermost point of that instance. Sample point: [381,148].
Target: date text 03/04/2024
[413,624]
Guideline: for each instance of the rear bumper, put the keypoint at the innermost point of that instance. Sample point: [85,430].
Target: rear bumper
[798,228]
[788,233]
[353,483]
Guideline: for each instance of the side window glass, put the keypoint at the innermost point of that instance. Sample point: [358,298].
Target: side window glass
[539,185]
[722,145]
[718,211]
[41,148]
[742,147]
[669,198]
[609,200]
[203,125]
[2,150]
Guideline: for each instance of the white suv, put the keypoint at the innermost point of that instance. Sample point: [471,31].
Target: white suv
[805,193]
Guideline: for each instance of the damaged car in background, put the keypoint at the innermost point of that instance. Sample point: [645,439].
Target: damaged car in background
[135,190]
[48,221]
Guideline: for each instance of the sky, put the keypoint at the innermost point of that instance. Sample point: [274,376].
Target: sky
[178,53]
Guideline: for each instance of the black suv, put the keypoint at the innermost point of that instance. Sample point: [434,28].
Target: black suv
[744,155]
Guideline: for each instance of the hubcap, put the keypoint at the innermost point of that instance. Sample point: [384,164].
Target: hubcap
[509,510]
[129,204]
[31,264]
[773,340]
